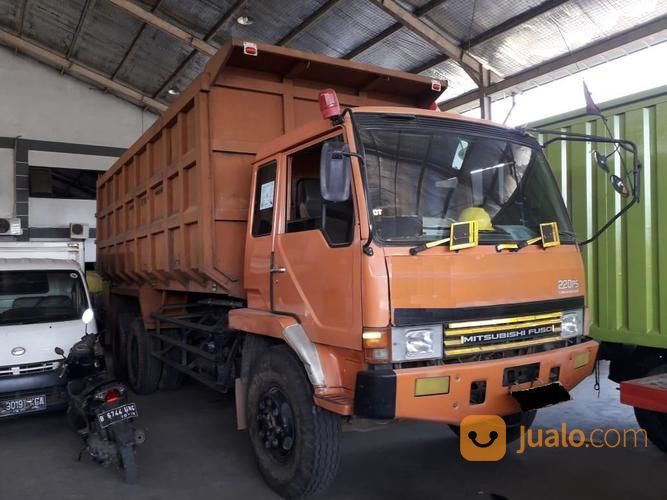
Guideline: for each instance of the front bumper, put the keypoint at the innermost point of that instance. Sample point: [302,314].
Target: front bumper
[389,394]
[49,383]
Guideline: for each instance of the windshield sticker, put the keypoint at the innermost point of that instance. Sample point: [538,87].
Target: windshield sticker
[73,276]
[460,154]
[266,195]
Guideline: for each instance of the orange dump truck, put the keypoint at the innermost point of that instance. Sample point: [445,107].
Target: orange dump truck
[382,262]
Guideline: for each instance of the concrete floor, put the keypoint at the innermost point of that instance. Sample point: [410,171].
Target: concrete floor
[194,452]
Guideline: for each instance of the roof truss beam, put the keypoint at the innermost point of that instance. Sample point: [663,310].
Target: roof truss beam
[20,15]
[75,69]
[363,47]
[471,65]
[209,36]
[134,42]
[82,19]
[309,21]
[503,27]
[592,50]
[165,26]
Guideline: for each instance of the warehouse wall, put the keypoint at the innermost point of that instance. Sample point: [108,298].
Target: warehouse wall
[39,104]
[627,267]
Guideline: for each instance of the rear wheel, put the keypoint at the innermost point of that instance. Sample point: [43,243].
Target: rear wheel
[144,370]
[128,462]
[296,443]
[653,422]
[119,337]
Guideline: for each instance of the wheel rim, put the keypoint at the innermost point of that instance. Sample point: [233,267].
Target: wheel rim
[275,422]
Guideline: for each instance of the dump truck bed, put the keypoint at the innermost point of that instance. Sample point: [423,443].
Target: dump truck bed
[172,210]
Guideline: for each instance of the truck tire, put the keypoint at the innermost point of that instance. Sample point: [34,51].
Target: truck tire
[653,422]
[513,423]
[296,443]
[143,369]
[119,345]
[171,379]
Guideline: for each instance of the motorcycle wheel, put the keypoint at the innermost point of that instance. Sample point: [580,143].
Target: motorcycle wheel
[128,462]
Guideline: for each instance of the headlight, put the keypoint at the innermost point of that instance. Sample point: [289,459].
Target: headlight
[416,343]
[572,323]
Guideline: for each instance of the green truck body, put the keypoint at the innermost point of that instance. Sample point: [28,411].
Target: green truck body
[626,268]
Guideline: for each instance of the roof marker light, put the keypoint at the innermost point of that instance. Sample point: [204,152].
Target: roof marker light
[329,106]
[250,49]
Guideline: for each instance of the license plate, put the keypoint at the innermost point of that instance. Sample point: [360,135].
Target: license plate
[118,414]
[30,404]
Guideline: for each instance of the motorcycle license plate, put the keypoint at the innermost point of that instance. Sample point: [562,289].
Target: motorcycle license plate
[10,407]
[118,414]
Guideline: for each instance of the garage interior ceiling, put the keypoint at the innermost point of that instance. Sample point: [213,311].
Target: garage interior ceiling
[143,49]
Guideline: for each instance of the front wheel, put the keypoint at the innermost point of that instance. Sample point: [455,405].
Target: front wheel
[128,462]
[296,443]
[653,422]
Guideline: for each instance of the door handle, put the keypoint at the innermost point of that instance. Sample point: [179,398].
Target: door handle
[274,270]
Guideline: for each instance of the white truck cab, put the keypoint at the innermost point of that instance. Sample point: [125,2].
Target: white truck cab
[43,295]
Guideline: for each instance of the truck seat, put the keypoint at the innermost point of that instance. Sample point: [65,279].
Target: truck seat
[309,198]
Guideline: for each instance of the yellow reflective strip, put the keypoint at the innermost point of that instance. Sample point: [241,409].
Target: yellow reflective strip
[431,386]
[581,359]
[507,246]
[432,244]
[501,347]
[534,240]
[500,321]
[495,328]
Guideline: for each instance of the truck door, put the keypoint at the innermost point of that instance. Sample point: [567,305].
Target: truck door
[315,271]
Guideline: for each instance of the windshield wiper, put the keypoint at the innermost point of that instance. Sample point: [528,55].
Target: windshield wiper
[425,246]
[515,246]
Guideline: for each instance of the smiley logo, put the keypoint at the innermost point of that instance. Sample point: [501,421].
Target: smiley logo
[483,438]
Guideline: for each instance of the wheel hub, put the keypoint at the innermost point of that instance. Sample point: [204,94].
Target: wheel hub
[275,421]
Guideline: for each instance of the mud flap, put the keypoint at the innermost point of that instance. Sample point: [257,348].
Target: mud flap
[541,397]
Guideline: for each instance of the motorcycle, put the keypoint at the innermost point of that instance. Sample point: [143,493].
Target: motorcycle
[98,408]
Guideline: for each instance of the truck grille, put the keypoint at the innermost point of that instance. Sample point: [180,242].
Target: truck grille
[28,369]
[468,338]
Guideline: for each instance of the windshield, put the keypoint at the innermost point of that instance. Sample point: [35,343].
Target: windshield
[423,174]
[40,296]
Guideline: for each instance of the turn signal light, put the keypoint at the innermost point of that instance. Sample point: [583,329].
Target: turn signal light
[376,344]
[112,396]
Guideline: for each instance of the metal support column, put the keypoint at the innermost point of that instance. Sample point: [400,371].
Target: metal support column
[484,97]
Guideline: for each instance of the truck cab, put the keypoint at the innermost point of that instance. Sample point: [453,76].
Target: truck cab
[43,295]
[402,328]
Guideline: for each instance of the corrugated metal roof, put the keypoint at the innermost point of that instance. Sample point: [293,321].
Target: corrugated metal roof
[119,46]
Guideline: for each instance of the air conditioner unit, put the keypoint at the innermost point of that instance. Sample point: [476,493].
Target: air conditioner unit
[11,227]
[79,231]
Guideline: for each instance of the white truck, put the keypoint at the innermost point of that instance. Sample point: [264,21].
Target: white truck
[43,295]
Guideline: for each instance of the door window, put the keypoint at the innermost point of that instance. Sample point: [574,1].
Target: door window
[306,210]
[265,194]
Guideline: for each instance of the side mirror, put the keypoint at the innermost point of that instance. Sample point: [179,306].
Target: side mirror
[87,316]
[619,186]
[601,161]
[335,167]
[59,351]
